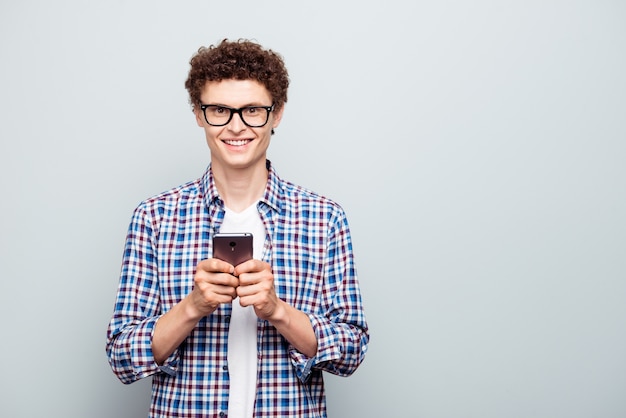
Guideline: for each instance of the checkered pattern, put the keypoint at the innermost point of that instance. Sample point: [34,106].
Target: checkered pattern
[310,250]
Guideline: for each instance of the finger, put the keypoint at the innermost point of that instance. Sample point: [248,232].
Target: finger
[217,294]
[243,291]
[226,279]
[215,265]
[262,279]
[217,288]
[229,292]
[252,266]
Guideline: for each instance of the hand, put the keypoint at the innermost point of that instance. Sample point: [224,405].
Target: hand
[214,284]
[256,288]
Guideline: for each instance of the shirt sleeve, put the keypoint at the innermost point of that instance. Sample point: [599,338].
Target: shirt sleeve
[136,311]
[340,325]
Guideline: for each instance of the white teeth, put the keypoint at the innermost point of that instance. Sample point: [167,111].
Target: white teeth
[237,143]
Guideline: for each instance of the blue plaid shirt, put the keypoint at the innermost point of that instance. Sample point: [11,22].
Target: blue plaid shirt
[309,247]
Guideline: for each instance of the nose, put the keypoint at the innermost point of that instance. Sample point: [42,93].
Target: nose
[236,123]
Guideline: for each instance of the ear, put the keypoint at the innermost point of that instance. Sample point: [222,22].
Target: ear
[199,117]
[278,116]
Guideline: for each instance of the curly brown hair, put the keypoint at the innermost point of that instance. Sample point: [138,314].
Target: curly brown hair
[239,60]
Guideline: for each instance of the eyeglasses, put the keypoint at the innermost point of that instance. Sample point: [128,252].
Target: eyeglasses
[252,116]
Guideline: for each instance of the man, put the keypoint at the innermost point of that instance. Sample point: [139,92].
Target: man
[249,340]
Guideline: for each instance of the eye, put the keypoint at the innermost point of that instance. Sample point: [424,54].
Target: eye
[219,110]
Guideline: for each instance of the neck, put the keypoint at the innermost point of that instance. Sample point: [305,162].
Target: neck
[240,188]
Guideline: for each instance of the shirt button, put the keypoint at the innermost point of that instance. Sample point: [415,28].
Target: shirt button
[227,319]
[224,367]
[222,414]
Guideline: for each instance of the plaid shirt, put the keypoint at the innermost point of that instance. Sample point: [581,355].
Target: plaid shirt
[309,247]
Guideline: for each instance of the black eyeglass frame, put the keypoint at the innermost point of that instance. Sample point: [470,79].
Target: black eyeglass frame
[238,111]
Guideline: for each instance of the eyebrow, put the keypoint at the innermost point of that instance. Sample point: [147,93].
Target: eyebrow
[253,104]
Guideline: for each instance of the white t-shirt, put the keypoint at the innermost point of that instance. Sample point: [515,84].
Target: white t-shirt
[242,334]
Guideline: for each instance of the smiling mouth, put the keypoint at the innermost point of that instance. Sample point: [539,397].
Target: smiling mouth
[237,142]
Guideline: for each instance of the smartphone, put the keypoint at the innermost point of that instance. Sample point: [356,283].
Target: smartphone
[234,248]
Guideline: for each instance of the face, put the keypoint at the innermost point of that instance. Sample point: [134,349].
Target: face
[236,145]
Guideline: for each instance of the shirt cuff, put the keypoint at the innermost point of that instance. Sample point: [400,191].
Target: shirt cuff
[327,349]
[144,364]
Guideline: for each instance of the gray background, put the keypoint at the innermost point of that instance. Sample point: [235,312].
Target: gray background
[477,147]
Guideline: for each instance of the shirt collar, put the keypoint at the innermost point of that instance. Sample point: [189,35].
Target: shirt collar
[272,196]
